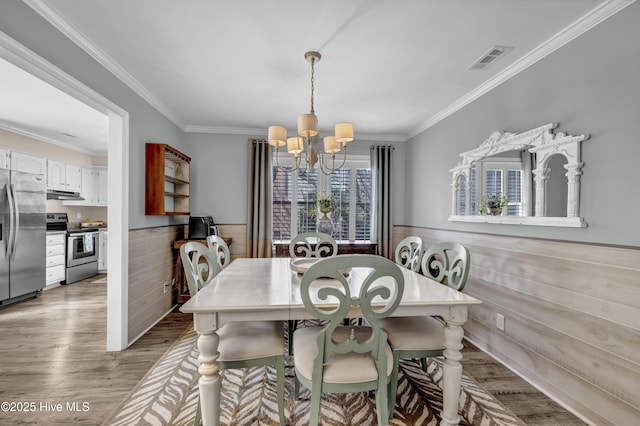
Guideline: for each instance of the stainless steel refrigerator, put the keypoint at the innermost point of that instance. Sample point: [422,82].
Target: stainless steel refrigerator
[22,236]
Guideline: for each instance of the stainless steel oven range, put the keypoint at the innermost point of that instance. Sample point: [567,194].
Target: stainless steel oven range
[82,254]
[81,259]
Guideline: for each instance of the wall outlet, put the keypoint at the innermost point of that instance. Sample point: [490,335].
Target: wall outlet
[500,322]
[78,215]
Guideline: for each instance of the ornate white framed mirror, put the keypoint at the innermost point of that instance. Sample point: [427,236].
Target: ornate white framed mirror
[528,178]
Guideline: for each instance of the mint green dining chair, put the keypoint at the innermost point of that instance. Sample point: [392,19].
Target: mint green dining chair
[220,250]
[241,344]
[422,337]
[408,253]
[313,244]
[309,244]
[334,358]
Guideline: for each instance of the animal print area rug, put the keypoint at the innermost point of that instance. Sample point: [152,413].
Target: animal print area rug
[168,395]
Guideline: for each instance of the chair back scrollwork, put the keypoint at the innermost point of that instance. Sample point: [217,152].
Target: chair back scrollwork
[408,253]
[220,250]
[447,262]
[313,244]
[199,265]
[326,294]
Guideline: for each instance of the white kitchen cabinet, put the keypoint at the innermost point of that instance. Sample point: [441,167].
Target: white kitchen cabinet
[87,184]
[28,163]
[102,251]
[55,258]
[102,185]
[93,187]
[4,158]
[63,176]
[73,177]
[56,175]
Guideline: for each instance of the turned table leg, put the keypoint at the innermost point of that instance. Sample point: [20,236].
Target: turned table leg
[452,369]
[209,383]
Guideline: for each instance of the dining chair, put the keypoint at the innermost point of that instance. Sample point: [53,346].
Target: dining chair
[241,344]
[220,250]
[313,244]
[422,337]
[334,358]
[310,244]
[409,252]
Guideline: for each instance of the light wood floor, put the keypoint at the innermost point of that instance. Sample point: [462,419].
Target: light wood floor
[52,351]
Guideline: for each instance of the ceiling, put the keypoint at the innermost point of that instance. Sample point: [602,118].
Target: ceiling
[34,108]
[393,68]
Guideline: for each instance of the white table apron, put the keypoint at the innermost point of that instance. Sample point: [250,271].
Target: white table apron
[267,289]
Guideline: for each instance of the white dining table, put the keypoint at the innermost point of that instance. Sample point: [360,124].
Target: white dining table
[252,289]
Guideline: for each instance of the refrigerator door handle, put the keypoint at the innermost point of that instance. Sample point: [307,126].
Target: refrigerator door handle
[16,222]
[12,218]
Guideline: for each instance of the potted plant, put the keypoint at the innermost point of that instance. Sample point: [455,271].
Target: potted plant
[324,204]
[493,204]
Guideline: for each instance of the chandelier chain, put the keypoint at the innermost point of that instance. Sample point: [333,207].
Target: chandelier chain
[313,61]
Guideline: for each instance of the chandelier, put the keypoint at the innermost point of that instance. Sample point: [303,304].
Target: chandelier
[306,143]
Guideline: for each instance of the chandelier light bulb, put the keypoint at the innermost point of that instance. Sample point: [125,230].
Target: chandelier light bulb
[277,135]
[331,145]
[344,132]
[295,145]
[307,125]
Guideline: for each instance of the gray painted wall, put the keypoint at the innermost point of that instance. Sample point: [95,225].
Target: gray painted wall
[219,174]
[24,25]
[588,86]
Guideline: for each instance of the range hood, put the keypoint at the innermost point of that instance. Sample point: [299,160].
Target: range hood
[57,194]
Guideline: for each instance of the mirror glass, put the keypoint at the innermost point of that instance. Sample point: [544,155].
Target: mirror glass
[557,186]
[531,177]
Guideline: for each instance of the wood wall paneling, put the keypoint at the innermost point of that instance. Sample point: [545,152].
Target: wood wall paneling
[543,335]
[238,246]
[151,264]
[572,317]
[556,382]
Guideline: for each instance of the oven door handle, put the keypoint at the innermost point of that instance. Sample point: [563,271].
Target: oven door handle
[82,234]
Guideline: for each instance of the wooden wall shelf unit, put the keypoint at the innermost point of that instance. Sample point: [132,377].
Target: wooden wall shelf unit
[167,181]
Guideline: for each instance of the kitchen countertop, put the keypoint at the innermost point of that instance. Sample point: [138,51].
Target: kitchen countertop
[77,225]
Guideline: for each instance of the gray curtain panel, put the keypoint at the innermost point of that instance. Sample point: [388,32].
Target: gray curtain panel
[259,199]
[382,217]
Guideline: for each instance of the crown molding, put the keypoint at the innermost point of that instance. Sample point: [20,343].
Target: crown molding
[224,130]
[578,27]
[101,57]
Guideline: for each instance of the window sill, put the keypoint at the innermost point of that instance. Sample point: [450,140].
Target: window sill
[567,222]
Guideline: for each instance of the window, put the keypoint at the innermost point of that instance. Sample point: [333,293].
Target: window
[294,200]
[504,177]
[462,193]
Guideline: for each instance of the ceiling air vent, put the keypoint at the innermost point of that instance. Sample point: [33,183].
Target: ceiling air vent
[489,57]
